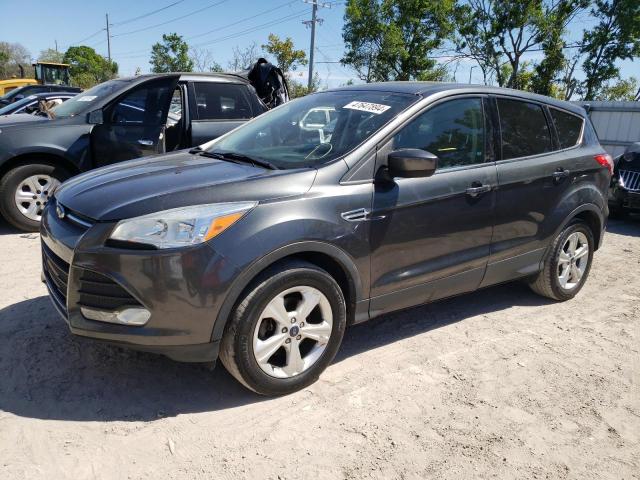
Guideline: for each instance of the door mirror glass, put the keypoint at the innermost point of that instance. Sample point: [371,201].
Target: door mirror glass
[95,117]
[411,163]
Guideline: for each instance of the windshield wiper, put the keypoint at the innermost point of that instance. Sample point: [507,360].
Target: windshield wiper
[204,153]
[241,158]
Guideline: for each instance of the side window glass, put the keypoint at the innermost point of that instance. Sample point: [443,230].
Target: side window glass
[569,127]
[146,105]
[524,129]
[454,131]
[221,101]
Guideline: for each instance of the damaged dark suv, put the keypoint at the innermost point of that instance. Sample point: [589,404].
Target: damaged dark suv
[261,246]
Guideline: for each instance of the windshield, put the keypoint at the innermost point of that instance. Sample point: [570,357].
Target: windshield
[83,102]
[315,129]
[12,107]
[13,93]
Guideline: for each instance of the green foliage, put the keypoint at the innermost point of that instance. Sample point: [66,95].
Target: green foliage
[51,55]
[395,39]
[615,37]
[287,57]
[297,89]
[88,68]
[171,55]
[627,90]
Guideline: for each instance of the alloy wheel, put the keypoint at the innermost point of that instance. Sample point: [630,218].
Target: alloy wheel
[573,260]
[292,332]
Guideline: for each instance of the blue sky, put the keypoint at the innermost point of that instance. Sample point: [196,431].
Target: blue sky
[217,26]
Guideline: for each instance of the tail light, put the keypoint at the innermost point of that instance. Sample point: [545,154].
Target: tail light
[605,160]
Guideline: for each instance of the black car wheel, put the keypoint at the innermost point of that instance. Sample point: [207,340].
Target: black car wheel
[24,192]
[567,263]
[286,329]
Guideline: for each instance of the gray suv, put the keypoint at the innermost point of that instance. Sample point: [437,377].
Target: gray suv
[261,246]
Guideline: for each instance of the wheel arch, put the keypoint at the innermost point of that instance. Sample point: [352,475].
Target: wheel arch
[38,157]
[592,215]
[326,256]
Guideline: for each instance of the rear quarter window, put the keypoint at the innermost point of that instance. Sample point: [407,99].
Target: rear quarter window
[568,126]
[525,131]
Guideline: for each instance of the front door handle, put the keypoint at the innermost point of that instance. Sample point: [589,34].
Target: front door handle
[561,173]
[478,189]
[146,143]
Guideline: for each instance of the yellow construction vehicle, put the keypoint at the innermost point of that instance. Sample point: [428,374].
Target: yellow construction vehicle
[45,73]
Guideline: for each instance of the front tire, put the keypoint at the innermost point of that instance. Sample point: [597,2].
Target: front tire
[24,192]
[567,263]
[286,329]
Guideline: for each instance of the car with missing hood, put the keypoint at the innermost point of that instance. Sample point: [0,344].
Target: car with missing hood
[261,246]
[120,120]
[624,194]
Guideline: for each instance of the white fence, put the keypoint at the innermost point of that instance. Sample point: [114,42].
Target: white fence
[617,124]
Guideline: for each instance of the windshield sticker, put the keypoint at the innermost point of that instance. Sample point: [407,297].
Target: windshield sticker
[88,98]
[376,108]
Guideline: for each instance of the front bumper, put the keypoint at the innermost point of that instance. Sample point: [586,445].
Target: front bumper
[182,288]
[622,199]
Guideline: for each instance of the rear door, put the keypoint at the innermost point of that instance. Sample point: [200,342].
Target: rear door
[218,108]
[534,174]
[133,125]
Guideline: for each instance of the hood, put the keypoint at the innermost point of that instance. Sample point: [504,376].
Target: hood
[151,184]
[22,119]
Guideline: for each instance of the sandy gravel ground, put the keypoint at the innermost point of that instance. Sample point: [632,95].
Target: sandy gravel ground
[497,384]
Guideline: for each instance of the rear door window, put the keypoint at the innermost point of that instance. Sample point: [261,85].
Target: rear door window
[568,126]
[525,131]
[221,101]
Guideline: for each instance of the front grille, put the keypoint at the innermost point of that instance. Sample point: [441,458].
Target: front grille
[630,179]
[75,218]
[102,293]
[56,272]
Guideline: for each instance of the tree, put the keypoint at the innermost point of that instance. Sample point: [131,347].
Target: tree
[12,57]
[287,57]
[615,37]
[203,61]
[627,90]
[171,55]
[395,39]
[297,89]
[51,55]
[499,32]
[88,68]
[243,58]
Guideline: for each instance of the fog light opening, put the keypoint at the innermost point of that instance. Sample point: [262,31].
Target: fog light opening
[134,316]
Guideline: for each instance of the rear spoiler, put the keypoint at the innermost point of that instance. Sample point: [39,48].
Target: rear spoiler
[269,82]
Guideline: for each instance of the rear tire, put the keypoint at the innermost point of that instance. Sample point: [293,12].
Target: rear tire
[25,190]
[567,263]
[286,329]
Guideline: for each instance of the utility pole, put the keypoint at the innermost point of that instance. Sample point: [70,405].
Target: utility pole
[56,42]
[312,24]
[108,38]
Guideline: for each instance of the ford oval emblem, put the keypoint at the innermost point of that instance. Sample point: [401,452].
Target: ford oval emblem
[60,211]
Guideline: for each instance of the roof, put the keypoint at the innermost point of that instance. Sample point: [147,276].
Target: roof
[51,63]
[206,76]
[426,89]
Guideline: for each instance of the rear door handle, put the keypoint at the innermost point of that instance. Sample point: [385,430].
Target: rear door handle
[146,143]
[477,190]
[561,173]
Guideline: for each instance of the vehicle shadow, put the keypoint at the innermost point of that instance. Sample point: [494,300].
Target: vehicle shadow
[629,226]
[51,374]
[6,229]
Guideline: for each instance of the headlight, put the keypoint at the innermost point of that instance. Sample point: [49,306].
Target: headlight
[181,227]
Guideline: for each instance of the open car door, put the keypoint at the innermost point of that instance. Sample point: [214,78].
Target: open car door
[133,125]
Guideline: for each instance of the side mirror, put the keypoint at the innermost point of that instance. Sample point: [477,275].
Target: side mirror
[95,117]
[411,163]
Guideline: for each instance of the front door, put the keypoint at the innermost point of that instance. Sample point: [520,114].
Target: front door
[431,237]
[133,125]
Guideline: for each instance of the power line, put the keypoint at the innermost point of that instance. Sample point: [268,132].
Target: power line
[145,15]
[265,12]
[215,4]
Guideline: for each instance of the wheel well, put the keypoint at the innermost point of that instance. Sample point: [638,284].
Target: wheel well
[28,158]
[592,219]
